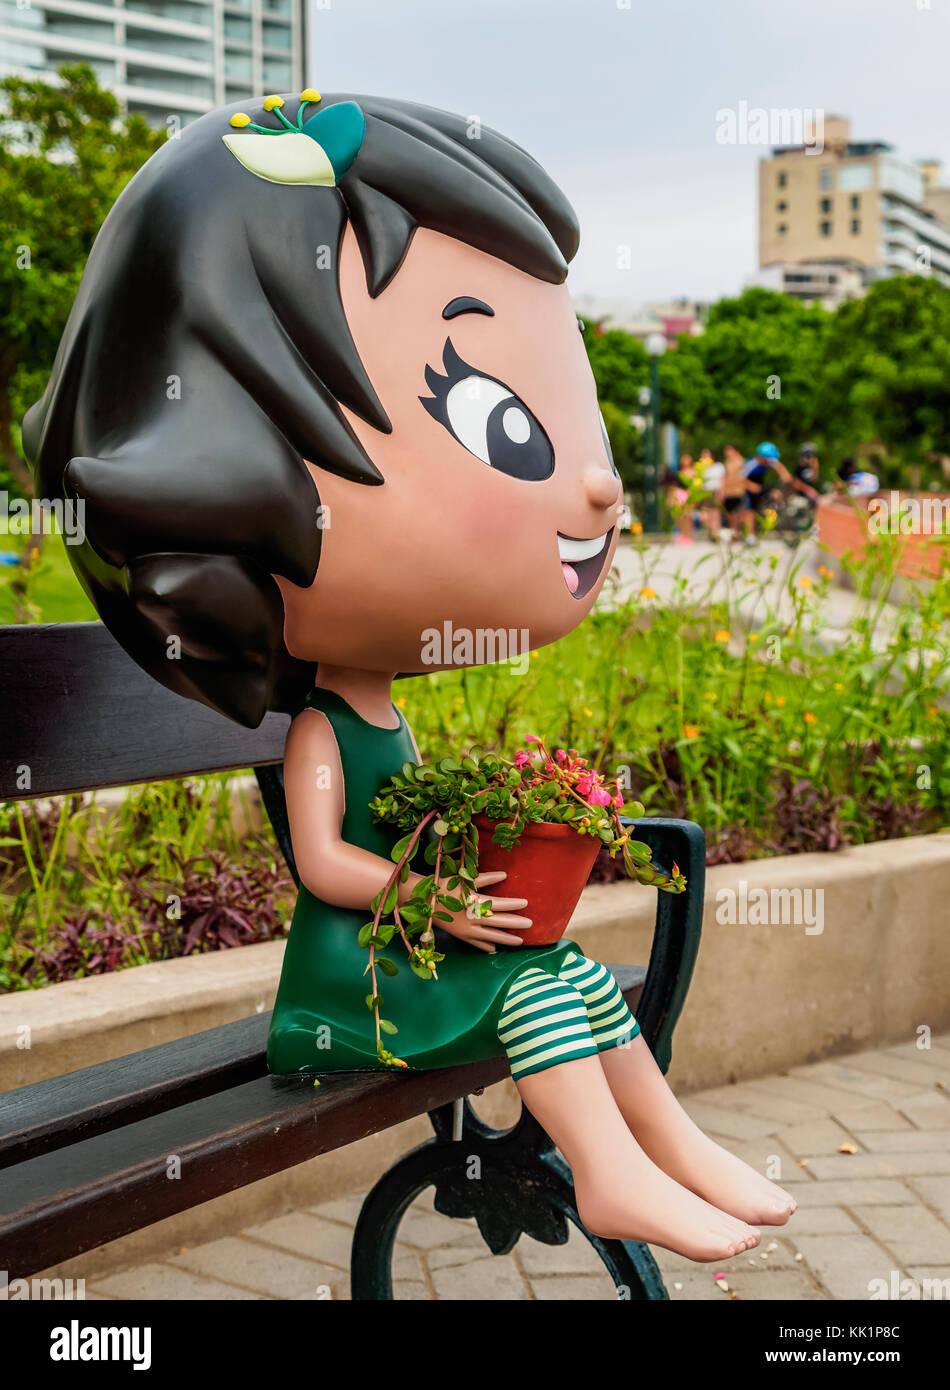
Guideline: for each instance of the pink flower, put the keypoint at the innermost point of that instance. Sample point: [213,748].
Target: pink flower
[584,784]
[617,800]
[599,797]
[531,738]
[522,759]
[561,755]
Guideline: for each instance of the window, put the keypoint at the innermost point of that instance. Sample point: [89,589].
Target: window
[276,35]
[238,67]
[855,178]
[782,179]
[826,178]
[826,204]
[855,202]
[825,228]
[277,76]
[855,226]
[237,29]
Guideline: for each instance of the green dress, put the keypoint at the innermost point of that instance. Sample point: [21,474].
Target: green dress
[321,1022]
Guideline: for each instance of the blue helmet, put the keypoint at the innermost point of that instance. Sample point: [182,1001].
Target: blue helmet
[767,451]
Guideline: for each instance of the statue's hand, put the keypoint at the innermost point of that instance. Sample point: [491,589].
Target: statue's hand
[482,931]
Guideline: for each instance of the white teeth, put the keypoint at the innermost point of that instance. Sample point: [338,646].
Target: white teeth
[573,551]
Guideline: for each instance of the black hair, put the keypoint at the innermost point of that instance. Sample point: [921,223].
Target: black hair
[207,355]
[846,468]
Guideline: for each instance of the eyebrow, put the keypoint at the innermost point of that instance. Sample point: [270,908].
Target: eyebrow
[466,305]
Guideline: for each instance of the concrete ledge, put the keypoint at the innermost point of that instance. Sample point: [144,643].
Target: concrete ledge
[764,998]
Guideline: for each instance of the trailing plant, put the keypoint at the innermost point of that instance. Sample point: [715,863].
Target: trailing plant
[442,802]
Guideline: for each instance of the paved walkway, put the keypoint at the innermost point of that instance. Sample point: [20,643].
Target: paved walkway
[865,1142]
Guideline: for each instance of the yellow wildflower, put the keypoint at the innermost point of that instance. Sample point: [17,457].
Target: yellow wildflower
[781,700]
[721,635]
[636,528]
[588,712]
[690,731]
[401,702]
[810,718]
[804,582]
[648,593]
[753,637]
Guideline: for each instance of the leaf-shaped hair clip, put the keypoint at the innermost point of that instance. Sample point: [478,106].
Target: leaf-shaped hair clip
[318,150]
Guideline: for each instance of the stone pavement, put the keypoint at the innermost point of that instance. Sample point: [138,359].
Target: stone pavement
[864,1142]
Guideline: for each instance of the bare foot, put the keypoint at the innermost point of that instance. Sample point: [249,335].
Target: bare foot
[642,1203]
[679,1147]
[719,1177]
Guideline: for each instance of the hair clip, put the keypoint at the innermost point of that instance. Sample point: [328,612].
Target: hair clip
[318,150]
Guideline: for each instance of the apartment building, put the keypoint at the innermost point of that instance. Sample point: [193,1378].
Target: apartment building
[852,204]
[162,57]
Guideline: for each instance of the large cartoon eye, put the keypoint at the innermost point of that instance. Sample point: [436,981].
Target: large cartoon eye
[489,420]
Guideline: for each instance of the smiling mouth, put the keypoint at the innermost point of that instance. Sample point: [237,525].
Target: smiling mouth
[582,561]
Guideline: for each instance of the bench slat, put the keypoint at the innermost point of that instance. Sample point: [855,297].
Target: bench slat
[51,1114]
[60,1203]
[80,715]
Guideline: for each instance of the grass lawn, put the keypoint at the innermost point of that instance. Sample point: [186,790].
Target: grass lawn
[55,590]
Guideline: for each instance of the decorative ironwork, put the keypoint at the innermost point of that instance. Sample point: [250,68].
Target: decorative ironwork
[513,1182]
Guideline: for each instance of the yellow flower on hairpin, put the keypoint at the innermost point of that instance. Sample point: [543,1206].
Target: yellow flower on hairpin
[239,120]
[271,102]
[308,94]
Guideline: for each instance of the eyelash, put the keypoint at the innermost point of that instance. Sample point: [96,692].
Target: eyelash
[455,370]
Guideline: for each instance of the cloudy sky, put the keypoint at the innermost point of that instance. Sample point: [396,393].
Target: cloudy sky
[618,99]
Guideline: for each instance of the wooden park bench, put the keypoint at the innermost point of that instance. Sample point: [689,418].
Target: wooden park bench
[84,1156]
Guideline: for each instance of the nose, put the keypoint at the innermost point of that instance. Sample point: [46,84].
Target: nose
[602,487]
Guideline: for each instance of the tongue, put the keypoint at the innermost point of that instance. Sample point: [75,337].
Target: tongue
[570,577]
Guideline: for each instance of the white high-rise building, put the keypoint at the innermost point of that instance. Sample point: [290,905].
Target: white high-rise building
[162,57]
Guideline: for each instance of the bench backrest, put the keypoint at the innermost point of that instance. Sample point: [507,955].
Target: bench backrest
[77,714]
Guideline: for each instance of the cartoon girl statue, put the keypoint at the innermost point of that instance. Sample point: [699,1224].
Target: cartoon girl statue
[321,392]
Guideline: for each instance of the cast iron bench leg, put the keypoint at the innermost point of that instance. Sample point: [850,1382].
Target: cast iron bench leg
[512,1182]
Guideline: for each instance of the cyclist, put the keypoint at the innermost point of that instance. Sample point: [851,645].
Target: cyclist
[805,479]
[765,460]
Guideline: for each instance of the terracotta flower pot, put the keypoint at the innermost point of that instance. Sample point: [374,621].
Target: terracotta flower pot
[549,867]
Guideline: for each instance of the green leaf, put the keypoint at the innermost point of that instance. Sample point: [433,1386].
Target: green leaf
[387,1027]
[387,966]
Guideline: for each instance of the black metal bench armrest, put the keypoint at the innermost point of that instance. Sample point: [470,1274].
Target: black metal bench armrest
[679,923]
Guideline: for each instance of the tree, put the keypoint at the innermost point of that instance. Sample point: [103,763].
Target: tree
[620,366]
[65,156]
[761,358]
[886,370]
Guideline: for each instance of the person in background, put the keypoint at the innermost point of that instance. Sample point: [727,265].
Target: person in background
[764,461]
[733,495]
[712,475]
[855,481]
[684,476]
[806,476]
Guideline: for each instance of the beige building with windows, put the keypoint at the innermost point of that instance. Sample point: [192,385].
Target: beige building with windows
[852,204]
